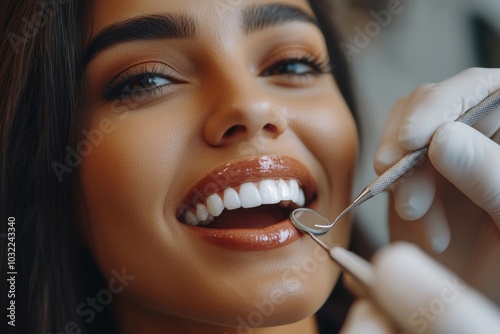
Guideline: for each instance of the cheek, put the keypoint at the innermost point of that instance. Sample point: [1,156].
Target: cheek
[128,193]
[328,130]
[127,178]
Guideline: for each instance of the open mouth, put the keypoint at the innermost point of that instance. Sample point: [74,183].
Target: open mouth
[248,205]
[245,205]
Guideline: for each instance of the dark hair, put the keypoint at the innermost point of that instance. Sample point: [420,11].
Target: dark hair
[41,70]
[40,73]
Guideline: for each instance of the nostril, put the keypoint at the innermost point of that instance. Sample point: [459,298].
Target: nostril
[271,128]
[241,129]
[234,130]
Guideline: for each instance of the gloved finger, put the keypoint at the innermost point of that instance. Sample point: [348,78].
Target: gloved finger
[496,137]
[435,227]
[389,150]
[364,317]
[490,125]
[444,103]
[471,162]
[431,231]
[414,193]
[422,296]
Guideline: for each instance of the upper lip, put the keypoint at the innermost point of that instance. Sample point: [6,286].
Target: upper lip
[253,169]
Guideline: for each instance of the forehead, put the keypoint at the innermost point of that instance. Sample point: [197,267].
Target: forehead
[211,14]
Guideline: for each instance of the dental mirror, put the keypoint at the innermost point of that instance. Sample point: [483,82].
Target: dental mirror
[307,221]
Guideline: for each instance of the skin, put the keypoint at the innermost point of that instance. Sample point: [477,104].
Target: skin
[153,154]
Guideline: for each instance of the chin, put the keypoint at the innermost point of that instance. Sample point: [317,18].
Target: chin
[269,299]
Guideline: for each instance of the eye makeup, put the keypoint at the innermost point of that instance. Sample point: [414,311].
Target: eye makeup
[145,80]
[294,63]
[154,79]
[298,66]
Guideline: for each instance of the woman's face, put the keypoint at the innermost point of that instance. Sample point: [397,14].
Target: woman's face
[208,122]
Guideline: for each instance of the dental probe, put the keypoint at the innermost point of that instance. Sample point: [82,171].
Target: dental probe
[360,269]
[470,117]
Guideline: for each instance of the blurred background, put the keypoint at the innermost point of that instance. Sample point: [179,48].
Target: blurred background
[393,46]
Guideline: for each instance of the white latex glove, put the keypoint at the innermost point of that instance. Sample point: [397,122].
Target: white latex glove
[413,293]
[454,199]
[463,155]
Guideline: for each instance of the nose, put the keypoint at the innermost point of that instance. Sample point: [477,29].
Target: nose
[243,115]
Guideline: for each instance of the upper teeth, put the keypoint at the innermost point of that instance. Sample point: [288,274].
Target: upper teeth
[249,195]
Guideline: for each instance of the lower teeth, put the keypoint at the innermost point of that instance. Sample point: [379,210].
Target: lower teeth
[206,222]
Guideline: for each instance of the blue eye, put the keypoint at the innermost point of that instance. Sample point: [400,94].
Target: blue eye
[136,85]
[146,82]
[297,67]
[294,68]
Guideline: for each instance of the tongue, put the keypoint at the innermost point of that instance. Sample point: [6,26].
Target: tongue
[260,217]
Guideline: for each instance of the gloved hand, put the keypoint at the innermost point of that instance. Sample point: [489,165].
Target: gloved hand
[455,198]
[411,292]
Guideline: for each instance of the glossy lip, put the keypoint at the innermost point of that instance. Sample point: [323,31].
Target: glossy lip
[250,170]
[270,237]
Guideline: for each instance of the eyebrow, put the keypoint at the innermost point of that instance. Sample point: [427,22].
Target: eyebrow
[179,26]
[160,26]
[259,17]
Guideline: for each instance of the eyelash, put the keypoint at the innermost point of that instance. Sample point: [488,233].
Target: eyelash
[115,88]
[317,66]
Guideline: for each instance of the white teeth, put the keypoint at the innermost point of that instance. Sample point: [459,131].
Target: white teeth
[269,192]
[207,221]
[249,196]
[231,199]
[191,218]
[294,190]
[302,198]
[285,204]
[201,212]
[215,205]
[284,190]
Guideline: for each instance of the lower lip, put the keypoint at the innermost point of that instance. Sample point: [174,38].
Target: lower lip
[274,236]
